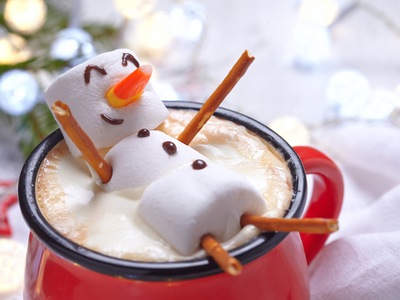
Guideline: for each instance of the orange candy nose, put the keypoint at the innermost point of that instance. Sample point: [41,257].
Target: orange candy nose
[130,88]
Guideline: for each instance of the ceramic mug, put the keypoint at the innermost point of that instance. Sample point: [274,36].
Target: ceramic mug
[274,263]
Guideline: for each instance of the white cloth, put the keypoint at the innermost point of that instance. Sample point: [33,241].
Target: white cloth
[362,260]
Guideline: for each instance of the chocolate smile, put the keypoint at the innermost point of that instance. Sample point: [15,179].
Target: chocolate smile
[112,121]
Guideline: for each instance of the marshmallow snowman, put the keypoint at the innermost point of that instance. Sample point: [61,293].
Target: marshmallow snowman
[185,195]
[84,89]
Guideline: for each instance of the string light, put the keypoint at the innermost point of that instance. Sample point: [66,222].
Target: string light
[187,20]
[292,130]
[19,92]
[380,105]
[348,92]
[311,45]
[311,39]
[133,9]
[319,12]
[351,96]
[26,16]
[152,35]
[72,43]
[13,49]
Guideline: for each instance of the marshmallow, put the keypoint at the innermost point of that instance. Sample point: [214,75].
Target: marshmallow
[138,161]
[189,203]
[87,101]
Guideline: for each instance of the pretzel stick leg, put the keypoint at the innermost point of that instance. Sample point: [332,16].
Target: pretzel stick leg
[312,225]
[82,141]
[216,98]
[227,263]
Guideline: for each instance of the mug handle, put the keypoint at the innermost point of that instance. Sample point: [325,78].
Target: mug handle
[327,195]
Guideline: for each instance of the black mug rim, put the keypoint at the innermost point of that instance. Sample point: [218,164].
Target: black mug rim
[158,271]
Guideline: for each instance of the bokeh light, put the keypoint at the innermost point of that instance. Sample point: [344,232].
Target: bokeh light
[152,35]
[19,92]
[13,49]
[293,130]
[319,12]
[132,9]
[348,92]
[26,16]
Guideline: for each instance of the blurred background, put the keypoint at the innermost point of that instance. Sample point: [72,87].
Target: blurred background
[327,74]
[316,60]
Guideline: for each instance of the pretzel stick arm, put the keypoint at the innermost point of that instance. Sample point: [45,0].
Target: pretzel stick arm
[227,263]
[216,98]
[82,141]
[312,225]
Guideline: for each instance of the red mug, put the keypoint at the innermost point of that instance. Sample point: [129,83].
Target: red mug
[275,264]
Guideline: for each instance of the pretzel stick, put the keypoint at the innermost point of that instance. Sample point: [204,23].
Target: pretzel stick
[216,98]
[227,263]
[311,225]
[82,141]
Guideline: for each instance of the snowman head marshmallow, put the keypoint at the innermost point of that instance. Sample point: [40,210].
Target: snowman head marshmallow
[110,97]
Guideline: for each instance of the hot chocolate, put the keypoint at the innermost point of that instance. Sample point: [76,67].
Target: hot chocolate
[108,222]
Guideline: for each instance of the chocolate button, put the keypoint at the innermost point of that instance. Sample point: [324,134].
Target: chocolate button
[169,147]
[199,164]
[143,133]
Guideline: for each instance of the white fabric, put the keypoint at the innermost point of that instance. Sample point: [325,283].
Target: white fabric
[362,260]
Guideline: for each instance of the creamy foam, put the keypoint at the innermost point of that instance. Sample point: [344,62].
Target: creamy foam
[109,222]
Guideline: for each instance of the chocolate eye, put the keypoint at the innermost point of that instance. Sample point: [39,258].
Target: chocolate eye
[89,68]
[199,164]
[143,133]
[169,147]
[129,57]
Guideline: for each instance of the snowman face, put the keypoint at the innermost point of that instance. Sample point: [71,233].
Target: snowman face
[84,89]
